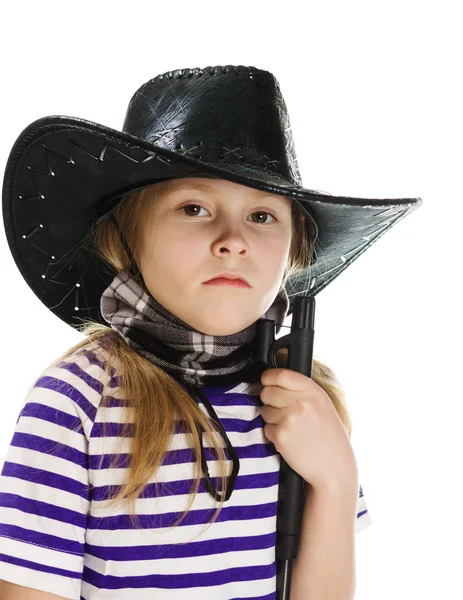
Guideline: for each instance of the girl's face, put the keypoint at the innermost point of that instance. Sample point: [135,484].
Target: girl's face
[182,246]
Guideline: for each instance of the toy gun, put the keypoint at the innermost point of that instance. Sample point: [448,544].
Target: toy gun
[291,485]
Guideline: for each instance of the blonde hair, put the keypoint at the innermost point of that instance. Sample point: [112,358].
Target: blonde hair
[156,398]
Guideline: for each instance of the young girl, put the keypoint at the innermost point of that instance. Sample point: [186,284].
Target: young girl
[141,464]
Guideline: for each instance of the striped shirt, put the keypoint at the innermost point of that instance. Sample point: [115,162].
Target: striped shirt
[56,537]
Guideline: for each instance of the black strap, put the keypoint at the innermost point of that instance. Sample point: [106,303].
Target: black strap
[231,450]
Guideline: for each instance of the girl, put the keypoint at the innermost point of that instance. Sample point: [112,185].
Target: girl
[117,460]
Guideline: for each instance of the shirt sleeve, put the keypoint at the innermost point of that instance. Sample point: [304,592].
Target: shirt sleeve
[45,490]
[363,516]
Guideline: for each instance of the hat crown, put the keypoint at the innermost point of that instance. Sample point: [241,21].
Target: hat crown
[223,115]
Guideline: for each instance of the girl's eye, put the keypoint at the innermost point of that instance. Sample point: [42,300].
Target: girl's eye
[257,212]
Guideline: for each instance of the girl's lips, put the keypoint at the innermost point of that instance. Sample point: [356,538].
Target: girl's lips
[224,281]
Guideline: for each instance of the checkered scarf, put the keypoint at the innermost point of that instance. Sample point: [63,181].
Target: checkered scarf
[191,356]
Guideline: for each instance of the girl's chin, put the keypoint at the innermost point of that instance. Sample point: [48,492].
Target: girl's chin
[221,326]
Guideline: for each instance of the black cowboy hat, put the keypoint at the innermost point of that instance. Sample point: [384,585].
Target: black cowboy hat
[228,122]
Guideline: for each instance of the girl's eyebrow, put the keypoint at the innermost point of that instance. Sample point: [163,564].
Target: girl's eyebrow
[204,187]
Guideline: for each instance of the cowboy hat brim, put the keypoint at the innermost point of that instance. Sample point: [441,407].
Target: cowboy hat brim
[63,173]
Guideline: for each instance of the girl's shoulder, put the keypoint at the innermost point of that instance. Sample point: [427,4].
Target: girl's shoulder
[91,360]
[76,383]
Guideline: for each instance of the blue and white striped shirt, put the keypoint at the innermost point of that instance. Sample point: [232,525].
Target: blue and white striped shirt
[56,537]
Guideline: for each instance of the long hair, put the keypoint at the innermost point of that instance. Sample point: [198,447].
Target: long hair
[156,398]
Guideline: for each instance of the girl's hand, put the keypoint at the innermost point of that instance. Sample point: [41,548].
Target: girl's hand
[306,430]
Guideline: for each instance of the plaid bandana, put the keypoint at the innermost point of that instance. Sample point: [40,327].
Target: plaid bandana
[191,356]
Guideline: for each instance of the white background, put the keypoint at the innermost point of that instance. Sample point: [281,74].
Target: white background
[374,95]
